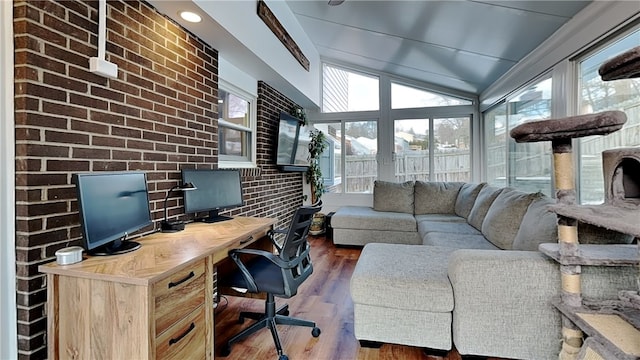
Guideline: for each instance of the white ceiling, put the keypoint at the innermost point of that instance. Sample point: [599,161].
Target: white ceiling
[463,45]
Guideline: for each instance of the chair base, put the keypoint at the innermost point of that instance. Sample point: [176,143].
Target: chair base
[269,319]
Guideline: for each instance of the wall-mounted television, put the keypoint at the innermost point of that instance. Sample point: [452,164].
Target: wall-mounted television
[292,144]
[216,190]
[111,206]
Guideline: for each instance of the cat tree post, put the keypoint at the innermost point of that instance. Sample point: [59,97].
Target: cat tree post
[561,132]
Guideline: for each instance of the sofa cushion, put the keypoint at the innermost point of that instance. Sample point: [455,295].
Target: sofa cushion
[458,241]
[436,197]
[394,197]
[483,201]
[539,225]
[427,226]
[410,277]
[466,198]
[440,217]
[366,218]
[503,219]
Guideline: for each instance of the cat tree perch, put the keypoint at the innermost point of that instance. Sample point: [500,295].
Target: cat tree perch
[613,326]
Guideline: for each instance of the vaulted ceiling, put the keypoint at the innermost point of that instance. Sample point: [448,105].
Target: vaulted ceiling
[463,45]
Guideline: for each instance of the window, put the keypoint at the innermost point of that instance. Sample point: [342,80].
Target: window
[596,95]
[357,148]
[345,90]
[495,130]
[445,156]
[236,124]
[528,165]
[403,97]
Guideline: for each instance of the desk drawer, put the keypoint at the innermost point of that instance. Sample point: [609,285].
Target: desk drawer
[239,243]
[186,339]
[178,294]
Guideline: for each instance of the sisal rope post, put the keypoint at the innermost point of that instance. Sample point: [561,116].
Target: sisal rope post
[568,244]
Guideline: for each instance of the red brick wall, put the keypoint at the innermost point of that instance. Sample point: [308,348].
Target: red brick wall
[159,115]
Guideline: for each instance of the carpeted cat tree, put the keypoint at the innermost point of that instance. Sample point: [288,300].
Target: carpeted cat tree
[620,212]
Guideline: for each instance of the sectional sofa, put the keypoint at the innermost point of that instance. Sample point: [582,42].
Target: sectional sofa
[450,263]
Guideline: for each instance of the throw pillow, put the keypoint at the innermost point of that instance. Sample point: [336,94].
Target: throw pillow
[479,210]
[393,197]
[436,197]
[504,216]
[466,198]
[539,225]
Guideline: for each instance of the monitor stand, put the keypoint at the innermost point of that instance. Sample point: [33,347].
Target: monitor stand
[214,217]
[116,247]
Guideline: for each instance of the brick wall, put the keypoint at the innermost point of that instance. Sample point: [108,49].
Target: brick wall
[158,116]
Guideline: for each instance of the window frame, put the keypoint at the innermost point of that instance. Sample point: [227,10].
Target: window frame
[231,161]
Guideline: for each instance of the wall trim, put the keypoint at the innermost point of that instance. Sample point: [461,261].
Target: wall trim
[8,310]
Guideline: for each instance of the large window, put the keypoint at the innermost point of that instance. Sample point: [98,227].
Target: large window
[596,95]
[379,128]
[404,97]
[356,144]
[432,149]
[528,165]
[345,90]
[236,125]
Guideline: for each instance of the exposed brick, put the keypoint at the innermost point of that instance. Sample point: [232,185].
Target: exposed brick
[158,116]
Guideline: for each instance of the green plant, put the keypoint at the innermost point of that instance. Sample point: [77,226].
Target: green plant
[317,145]
[299,113]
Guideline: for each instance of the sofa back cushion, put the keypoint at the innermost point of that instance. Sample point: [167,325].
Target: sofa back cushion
[393,197]
[539,225]
[483,201]
[502,222]
[466,198]
[436,197]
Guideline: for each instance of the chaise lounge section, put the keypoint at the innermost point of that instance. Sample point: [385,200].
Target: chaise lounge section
[449,263]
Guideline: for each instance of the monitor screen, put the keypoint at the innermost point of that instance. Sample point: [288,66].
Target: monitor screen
[216,190]
[112,205]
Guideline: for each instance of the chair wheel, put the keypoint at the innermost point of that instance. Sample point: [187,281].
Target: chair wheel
[225,351]
[315,332]
[283,357]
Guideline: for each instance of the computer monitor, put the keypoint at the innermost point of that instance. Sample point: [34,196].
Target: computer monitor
[216,190]
[111,206]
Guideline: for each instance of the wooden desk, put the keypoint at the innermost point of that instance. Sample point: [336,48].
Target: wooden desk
[152,303]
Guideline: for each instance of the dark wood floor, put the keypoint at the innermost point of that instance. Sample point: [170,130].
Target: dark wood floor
[323,298]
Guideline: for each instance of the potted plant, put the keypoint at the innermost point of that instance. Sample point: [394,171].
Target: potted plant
[317,145]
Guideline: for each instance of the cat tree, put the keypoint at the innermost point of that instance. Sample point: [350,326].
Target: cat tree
[612,327]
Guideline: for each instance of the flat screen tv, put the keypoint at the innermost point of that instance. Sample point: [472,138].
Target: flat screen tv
[217,190]
[292,144]
[111,205]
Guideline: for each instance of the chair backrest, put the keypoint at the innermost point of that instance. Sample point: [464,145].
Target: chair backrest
[295,249]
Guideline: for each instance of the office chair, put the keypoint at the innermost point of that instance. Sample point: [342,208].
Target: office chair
[276,274]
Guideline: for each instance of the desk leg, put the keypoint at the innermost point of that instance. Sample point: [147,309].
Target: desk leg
[53,323]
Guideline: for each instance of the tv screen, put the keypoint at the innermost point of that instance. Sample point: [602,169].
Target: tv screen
[216,190]
[112,205]
[292,144]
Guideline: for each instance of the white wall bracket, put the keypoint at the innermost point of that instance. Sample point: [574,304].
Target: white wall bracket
[99,65]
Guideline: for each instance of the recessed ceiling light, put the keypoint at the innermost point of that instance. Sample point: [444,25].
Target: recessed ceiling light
[190,16]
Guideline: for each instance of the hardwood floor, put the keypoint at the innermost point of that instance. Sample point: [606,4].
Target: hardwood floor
[323,298]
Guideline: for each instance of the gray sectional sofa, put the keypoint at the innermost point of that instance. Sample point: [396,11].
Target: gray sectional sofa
[449,263]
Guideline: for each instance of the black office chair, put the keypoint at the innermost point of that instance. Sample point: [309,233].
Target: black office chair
[276,274]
